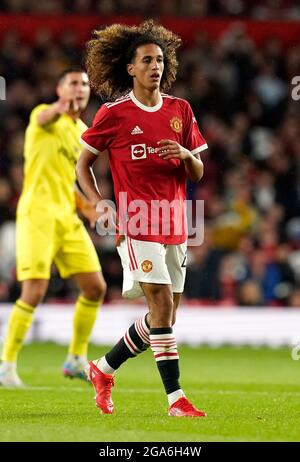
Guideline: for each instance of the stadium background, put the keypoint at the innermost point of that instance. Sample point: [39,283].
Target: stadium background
[235,67]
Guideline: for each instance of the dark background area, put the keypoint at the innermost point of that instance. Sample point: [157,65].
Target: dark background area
[237,77]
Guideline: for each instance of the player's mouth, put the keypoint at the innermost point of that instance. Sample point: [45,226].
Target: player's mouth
[155,77]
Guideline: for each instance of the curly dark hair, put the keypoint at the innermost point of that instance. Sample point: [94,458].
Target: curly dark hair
[113,47]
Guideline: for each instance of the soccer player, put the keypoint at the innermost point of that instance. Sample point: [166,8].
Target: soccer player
[48,228]
[153,143]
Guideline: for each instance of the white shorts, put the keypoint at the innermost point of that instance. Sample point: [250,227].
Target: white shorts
[151,262]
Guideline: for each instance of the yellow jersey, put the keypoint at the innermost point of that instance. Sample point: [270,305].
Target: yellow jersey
[51,152]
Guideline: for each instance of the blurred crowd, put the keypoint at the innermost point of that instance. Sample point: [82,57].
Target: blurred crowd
[267,10]
[241,97]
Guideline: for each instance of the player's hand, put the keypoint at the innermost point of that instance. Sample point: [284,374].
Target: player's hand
[74,106]
[62,105]
[91,214]
[169,149]
[86,208]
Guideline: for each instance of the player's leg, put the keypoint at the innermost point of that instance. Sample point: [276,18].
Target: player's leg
[78,259]
[101,371]
[92,291]
[136,338]
[34,253]
[21,316]
[164,347]
[163,304]
[135,341]
[162,340]
[140,261]
[179,405]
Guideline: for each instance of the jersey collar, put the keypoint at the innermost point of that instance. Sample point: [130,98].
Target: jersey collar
[143,107]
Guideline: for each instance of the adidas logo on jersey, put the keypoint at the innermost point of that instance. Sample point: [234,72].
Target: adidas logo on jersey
[137,131]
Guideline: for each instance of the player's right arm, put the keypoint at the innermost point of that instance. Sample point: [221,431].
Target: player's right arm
[106,215]
[53,111]
[86,177]
[96,140]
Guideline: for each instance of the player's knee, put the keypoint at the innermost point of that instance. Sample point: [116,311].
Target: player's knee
[37,297]
[95,291]
[33,293]
[161,309]
[160,295]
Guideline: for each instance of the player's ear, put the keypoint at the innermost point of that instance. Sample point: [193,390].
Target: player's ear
[58,90]
[130,69]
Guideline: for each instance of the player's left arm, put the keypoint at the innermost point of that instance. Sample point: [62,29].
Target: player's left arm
[169,149]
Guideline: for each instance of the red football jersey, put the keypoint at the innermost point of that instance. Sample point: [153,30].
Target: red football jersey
[151,190]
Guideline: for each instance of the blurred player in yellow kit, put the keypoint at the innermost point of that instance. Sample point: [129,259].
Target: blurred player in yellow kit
[48,228]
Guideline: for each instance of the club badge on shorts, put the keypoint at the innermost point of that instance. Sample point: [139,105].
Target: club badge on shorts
[176,124]
[147,266]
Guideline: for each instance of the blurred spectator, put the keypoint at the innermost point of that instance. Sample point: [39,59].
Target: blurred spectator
[6,193]
[238,216]
[294,300]
[249,293]
[270,9]
[203,271]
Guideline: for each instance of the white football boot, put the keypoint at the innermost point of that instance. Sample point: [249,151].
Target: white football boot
[9,376]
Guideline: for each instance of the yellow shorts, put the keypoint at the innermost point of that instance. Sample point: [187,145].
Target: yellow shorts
[42,239]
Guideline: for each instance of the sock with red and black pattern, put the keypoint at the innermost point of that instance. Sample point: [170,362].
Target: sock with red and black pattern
[135,341]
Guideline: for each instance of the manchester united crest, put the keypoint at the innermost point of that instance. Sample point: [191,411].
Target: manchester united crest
[176,124]
[147,266]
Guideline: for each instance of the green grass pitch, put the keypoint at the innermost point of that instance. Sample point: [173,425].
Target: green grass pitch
[248,394]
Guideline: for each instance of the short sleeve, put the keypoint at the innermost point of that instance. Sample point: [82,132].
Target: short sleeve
[192,137]
[100,135]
